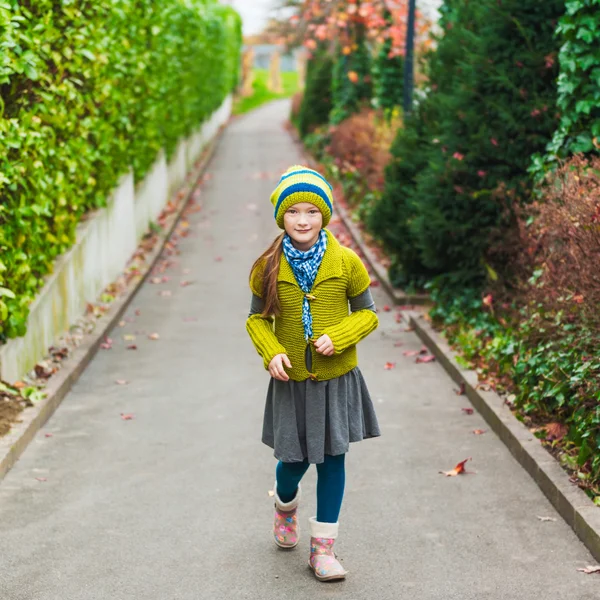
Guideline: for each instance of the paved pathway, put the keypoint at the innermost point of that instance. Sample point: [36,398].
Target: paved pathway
[173,504]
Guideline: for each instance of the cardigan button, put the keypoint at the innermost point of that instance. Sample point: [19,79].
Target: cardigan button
[313,376]
[310,297]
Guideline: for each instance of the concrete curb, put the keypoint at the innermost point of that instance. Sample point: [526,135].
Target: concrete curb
[398,296]
[574,506]
[16,441]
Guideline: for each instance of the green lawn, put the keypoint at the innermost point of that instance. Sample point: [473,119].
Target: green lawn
[261,92]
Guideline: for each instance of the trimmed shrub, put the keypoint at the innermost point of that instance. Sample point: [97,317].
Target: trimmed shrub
[488,111]
[89,89]
[352,86]
[316,102]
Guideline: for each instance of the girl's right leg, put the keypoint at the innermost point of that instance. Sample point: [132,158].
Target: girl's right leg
[288,478]
[287,496]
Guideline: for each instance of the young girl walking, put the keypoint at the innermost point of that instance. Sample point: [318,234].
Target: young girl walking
[311,305]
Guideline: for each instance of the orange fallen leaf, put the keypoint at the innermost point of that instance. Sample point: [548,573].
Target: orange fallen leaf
[127,416]
[468,411]
[154,336]
[556,431]
[398,344]
[19,385]
[459,469]
[132,347]
[121,382]
[386,308]
[389,365]
[479,431]
[41,479]
[48,435]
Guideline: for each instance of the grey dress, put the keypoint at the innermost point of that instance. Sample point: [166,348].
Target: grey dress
[309,419]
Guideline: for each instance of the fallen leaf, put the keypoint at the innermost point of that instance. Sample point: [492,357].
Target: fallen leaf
[271,493]
[19,385]
[121,382]
[425,359]
[138,312]
[398,344]
[122,323]
[468,411]
[41,479]
[128,337]
[375,283]
[479,431]
[132,347]
[185,283]
[411,352]
[461,391]
[156,280]
[389,365]
[408,329]
[218,258]
[459,469]
[48,435]
[154,336]
[590,569]
[127,416]
[386,308]
[556,431]
[546,518]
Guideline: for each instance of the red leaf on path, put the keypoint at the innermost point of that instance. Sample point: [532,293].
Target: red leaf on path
[399,318]
[386,308]
[48,435]
[138,312]
[479,431]
[468,411]
[590,569]
[132,347]
[127,416]
[105,346]
[218,258]
[461,391]
[425,359]
[459,469]
[185,283]
[41,479]
[389,365]
[411,352]
[121,382]
[398,344]
[374,282]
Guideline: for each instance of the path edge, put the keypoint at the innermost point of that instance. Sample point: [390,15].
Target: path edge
[14,444]
[573,505]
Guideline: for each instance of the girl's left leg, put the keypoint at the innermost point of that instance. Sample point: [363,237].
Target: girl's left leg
[324,528]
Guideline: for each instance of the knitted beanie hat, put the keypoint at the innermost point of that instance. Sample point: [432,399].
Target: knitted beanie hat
[300,184]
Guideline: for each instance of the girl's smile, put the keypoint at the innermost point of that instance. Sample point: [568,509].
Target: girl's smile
[303,223]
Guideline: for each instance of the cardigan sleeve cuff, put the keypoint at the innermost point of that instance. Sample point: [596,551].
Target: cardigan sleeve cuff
[352,329]
[263,337]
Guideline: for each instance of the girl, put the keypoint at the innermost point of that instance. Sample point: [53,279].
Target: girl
[299,322]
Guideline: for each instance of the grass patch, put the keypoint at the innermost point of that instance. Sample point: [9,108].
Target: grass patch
[262,94]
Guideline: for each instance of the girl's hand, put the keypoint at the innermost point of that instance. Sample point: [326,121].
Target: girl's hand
[276,367]
[324,346]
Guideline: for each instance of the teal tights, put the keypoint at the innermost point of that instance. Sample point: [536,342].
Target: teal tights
[330,485]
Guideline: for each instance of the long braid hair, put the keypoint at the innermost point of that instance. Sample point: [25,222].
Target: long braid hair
[271,259]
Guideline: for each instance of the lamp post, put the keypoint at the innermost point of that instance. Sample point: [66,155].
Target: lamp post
[409,59]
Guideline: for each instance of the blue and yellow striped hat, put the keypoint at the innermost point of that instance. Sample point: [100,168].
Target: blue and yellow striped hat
[300,184]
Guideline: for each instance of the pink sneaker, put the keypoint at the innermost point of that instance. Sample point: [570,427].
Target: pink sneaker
[323,561]
[285,526]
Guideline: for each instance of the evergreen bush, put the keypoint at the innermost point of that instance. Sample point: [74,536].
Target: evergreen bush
[490,107]
[316,103]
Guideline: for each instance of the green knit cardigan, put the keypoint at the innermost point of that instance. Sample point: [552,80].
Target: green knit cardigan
[341,276]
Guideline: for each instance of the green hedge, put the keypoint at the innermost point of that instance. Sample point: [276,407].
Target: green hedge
[88,89]
[316,102]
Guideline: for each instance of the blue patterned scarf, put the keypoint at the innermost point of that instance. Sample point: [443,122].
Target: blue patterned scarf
[305,266]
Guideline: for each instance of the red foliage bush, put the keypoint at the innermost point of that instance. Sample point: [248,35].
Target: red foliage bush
[564,239]
[361,143]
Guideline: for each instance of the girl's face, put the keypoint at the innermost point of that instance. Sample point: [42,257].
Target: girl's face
[303,223]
